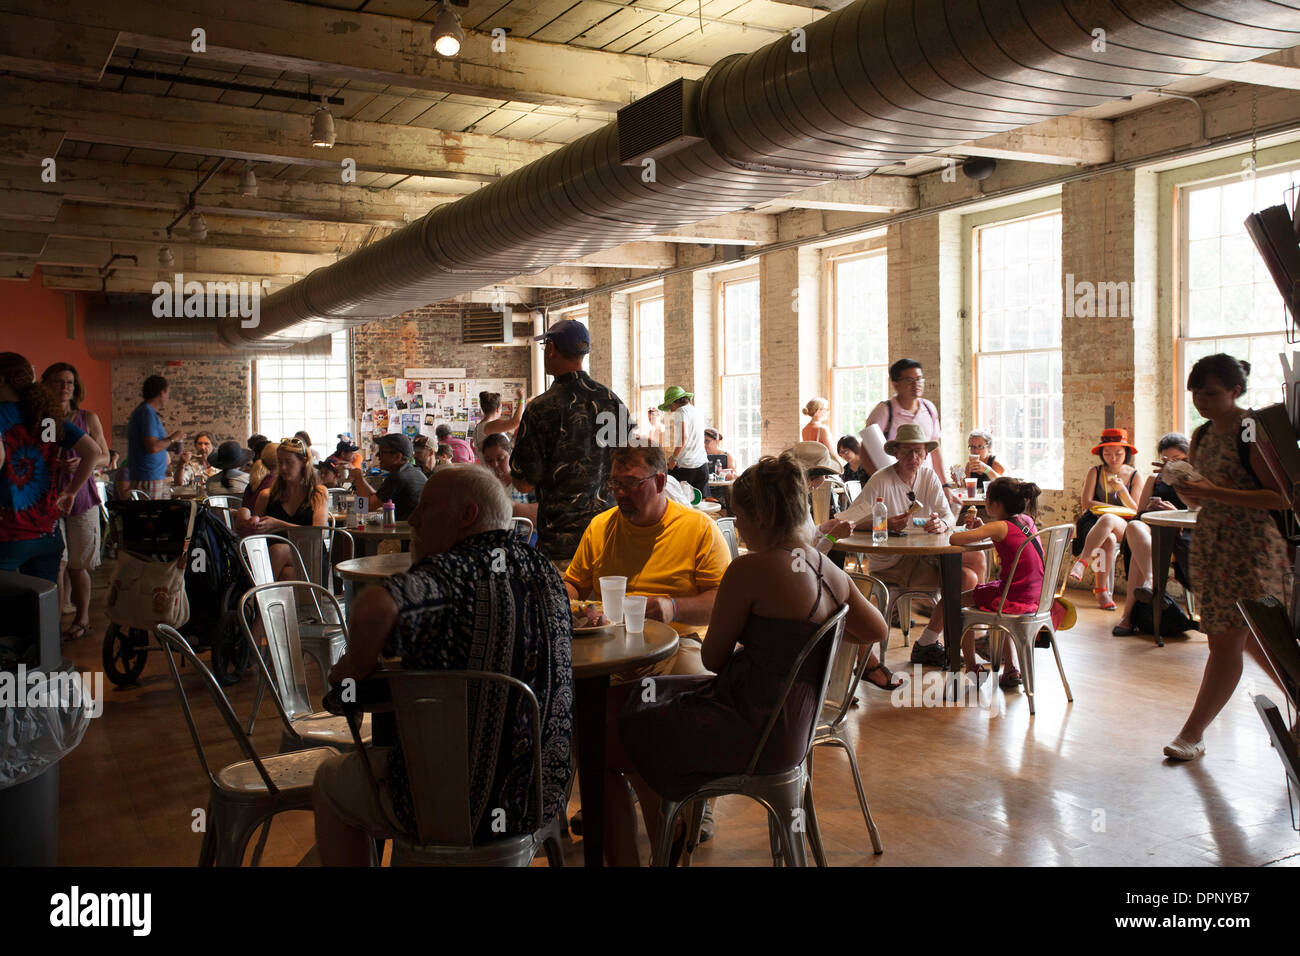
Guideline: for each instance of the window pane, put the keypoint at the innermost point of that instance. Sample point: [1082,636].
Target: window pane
[305,394]
[742,417]
[740,327]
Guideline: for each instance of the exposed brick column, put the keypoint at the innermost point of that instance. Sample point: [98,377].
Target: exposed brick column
[611,342]
[792,353]
[925,318]
[689,334]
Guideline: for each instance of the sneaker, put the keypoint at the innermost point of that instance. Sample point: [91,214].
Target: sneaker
[1180,749]
[931,655]
[706,822]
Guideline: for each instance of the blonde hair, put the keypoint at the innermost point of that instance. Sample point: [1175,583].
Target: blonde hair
[265,465]
[815,405]
[773,494]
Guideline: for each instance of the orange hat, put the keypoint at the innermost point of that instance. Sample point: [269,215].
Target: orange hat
[1114,436]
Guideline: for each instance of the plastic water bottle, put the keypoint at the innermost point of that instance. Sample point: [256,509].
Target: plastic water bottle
[879,522]
[390,515]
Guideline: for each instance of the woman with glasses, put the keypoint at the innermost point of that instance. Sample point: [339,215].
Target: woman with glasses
[981,465]
[908,407]
[1155,496]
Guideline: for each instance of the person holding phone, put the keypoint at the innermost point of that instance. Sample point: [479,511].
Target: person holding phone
[148,441]
[1156,495]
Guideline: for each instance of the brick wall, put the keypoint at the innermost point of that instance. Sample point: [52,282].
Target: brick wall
[610,327]
[212,396]
[792,342]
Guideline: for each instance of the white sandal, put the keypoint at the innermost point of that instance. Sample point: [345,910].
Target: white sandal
[1181,749]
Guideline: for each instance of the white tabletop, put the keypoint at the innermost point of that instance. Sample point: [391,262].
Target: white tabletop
[1171,519]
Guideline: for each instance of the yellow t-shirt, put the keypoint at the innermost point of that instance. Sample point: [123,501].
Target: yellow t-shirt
[680,556]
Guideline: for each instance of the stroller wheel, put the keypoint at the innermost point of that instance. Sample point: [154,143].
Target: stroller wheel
[230,651]
[125,653]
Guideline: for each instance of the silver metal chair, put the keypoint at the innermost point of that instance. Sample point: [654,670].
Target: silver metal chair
[338,499]
[1025,628]
[728,528]
[233,502]
[785,794]
[304,725]
[248,793]
[522,527]
[432,723]
[138,495]
[846,672]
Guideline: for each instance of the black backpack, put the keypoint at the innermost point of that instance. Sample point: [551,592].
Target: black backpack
[1172,618]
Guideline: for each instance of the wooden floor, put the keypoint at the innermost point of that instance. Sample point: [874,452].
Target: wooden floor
[1079,784]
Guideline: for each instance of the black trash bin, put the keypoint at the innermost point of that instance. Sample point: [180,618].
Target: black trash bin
[33,739]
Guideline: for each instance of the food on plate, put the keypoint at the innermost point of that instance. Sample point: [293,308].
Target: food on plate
[588,614]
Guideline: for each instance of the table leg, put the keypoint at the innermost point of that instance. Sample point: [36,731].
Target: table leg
[589,706]
[950,583]
[1161,551]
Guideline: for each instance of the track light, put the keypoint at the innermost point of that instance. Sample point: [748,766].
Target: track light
[322,127]
[198,227]
[165,257]
[248,182]
[448,37]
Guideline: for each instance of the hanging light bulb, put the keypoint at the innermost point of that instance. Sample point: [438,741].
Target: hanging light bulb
[165,257]
[322,127]
[198,227]
[448,37]
[248,182]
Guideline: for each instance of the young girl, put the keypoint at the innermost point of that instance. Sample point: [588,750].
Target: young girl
[1010,506]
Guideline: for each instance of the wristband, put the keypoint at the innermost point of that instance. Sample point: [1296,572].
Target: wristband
[674,617]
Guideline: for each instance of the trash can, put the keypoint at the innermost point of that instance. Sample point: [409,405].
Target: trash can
[43,716]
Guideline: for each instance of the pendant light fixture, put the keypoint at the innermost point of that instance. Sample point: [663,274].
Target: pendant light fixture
[165,257]
[322,124]
[448,37]
[248,182]
[198,227]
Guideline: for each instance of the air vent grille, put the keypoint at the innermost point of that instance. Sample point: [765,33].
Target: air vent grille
[659,124]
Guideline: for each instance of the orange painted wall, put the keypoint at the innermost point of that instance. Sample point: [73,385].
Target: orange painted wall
[33,322]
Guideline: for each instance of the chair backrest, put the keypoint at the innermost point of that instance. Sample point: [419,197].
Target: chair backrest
[278,606]
[227,515]
[138,495]
[255,555]
[852,489]
[1053,541]
[522,527]
[728,528]
[173,643]
[831,630]
[233,502]
[338,499]
[846,671]
[433,725]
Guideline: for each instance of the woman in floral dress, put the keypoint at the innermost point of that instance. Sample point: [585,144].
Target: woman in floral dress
[1237,550]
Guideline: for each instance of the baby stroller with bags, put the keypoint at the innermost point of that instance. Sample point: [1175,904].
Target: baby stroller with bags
[178,564]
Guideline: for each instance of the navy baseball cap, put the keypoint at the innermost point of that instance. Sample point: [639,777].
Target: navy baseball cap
[569,336]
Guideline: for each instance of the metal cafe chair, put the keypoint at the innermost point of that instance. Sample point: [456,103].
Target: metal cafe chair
[1025,628]
[250,792]
[785,794]
[432,722]
[728,528]
[304,726]
[522,528]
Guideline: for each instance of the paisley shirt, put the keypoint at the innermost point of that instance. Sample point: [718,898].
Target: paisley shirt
[563,450]
[492,603]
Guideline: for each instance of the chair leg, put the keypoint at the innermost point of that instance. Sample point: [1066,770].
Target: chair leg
[261,842]
[670,809]
[776,838]
[1026,651]
[233,838]
[552,844]
[1056,651]
[694,829]
[904,605]
[814,830]
[208,851]
[876,846]
[791,841]
[322,658]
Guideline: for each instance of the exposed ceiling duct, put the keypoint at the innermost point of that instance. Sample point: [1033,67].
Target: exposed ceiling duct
[875,83]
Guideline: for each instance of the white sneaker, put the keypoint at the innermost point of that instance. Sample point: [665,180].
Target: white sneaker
[1181,749]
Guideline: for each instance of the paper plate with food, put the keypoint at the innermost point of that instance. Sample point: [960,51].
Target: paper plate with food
[589,618]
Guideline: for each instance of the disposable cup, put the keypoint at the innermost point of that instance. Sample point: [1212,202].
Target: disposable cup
[612,589]
[971,485]
[634,613]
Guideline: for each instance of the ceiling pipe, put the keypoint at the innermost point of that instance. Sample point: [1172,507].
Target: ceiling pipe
[875,83]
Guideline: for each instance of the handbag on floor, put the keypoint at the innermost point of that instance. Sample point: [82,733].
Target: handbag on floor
[147,592]
[1172,618]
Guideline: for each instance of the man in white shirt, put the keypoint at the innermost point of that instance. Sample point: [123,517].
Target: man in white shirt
[687,462]
[913,492]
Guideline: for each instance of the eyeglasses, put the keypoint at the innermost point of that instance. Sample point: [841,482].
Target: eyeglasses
[977,447]
[913,379]
[626,485]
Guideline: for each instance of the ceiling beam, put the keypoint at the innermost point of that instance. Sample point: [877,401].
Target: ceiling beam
[339,44]
[174,124]
[189,258]
[736,229]
[28,206]
[1280,69]
[21,143]
[19,269]
[57,50]
[632,255]
[124,280]
[872,194]
[1062,141]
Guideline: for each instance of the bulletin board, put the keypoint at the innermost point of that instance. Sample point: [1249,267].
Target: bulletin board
[417,406]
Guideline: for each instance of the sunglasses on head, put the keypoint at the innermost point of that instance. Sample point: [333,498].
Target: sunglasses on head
[294,445]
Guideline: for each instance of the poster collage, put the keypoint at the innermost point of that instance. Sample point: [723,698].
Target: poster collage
[417,406]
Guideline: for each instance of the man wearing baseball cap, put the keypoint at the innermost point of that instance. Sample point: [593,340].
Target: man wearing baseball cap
[404,483]
[687,462]
[557,453]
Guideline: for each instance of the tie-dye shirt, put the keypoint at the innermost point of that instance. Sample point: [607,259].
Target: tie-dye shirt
[28,492]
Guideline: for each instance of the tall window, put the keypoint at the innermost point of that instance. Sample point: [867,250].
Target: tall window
[305,394]
[860,340]
[649,353]
[1229,301]
[1018,357]
[742,400]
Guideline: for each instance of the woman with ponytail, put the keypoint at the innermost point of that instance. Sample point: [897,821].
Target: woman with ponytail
[1011,504]
[34,432]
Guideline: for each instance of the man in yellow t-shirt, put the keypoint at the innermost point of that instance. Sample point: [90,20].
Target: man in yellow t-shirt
[673,554]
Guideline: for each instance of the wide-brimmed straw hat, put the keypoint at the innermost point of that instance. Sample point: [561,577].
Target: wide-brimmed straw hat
[1114,436]
[816,460]
[910,435]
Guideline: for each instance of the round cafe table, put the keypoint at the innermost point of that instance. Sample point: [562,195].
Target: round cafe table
[369,537]
[1166,526]
[594,660]
[710,508]
[926,545]
[376,567]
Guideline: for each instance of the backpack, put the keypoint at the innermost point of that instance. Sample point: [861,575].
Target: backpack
[1172,618]
[889,414]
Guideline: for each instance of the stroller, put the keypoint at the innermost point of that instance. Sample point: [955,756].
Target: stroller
[156,529]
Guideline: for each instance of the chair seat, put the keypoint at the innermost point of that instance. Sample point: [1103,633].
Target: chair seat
[972,616]
[325,729]
[508,851]
[289,771]
[320,633]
